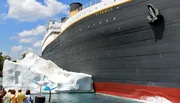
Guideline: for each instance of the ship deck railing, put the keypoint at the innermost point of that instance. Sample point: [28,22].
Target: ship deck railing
[91,3]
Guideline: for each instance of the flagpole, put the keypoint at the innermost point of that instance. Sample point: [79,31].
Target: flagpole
[40,90]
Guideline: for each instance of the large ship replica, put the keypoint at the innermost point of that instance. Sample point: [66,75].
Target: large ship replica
[130,47]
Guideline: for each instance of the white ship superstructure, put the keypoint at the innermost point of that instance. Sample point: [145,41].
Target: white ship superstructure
[53,29]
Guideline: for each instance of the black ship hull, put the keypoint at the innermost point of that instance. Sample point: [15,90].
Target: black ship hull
[125,54]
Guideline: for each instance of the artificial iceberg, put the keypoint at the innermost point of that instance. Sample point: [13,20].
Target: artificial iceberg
[32,69]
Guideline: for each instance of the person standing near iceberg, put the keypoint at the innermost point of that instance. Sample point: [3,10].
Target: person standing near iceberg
[12,97]
[20,97]
[6,97]
[29,98]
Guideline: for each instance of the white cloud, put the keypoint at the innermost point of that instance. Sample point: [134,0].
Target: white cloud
[14,37]
[4,53]
[29,49]
[37,44]
[33,32]
[26,40]
[32,10]
[2,17]
[33,36]
[15,52]
[16,49]
[30,41]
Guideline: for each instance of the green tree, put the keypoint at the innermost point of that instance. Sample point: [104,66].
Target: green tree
[2,59]
[15,61]
[6,58]
[23,55]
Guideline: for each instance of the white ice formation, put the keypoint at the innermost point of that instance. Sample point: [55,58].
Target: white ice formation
[155,99]
[32,69]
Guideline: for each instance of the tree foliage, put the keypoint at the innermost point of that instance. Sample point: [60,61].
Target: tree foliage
[23,55]
[2,59]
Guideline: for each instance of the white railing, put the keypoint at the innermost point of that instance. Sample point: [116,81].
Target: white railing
[50,36]
[49,33]
[91,3]
[48,40]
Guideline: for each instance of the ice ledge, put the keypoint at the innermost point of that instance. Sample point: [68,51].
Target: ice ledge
[32,69]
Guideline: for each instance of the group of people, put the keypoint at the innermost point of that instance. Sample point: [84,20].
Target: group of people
[13,97]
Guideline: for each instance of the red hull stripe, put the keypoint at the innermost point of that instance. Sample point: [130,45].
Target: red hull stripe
[137,91]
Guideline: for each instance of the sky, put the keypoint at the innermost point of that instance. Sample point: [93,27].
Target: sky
[22,23]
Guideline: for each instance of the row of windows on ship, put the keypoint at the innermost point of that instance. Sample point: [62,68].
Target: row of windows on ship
[83,47]
[90,27]
[97,56]
[87,58]
[77,34]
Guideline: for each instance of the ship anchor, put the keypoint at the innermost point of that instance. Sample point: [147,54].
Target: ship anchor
[154,14]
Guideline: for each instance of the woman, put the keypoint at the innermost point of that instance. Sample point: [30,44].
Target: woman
[12,97]
[6,97]
[29,98]
[2,95]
